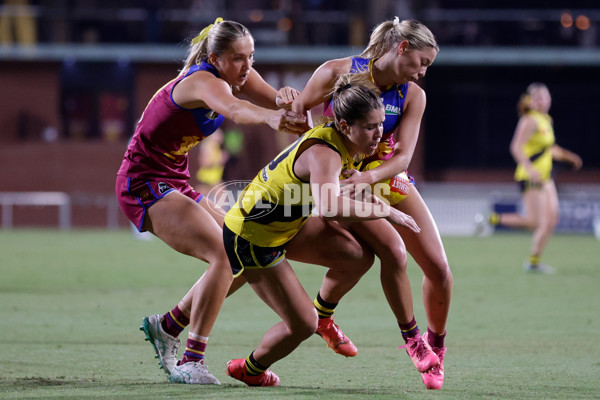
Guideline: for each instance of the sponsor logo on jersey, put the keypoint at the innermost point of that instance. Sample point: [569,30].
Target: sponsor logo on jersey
[391,109]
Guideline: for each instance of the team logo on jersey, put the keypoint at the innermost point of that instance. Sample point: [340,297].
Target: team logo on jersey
[187,142]
[212,115]
[145,194]
[391,109]
[163,187]
[260,197]
[246,259]
[267,259]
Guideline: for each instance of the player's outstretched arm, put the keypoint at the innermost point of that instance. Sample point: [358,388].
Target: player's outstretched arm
[322,166]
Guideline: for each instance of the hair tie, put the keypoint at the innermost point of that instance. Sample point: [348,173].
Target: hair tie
[346,86]
[204,32]
[396,22]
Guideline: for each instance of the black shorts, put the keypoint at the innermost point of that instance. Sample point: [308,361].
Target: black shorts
[243,254]
[526,185]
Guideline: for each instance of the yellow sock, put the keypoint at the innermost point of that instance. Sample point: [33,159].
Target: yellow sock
[253,368]
[534,259]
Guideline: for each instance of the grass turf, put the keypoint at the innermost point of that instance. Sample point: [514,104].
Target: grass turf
[72,303]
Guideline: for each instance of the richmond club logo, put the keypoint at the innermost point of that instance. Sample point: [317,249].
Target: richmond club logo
[259,196]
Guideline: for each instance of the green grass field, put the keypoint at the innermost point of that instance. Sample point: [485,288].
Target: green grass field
[71,305]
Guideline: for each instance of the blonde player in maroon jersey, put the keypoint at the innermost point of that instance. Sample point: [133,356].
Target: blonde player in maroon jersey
[152,183]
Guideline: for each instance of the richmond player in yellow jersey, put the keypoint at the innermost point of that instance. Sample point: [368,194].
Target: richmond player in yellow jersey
[272,209]
[533,147]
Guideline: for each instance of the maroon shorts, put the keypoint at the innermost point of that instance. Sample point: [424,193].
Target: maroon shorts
[135,195]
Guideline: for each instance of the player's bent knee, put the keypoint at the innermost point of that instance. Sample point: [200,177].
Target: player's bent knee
[553,222]
[355,261]
[357,267]
[358,255]
[532,224]
[303,328]
[438,271]
[214,254]
[365,263]
[365,259]
[393,258]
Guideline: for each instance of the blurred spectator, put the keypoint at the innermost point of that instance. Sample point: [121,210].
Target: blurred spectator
[296,22]
[212,158]
[17,23]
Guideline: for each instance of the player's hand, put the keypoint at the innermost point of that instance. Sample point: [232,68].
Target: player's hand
[286,96]
[360,192]
[288,121]
[399,218]
[347,191]
[576,161]
[534,176]
[355,177]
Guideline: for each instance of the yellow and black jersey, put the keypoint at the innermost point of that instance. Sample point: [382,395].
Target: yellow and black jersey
[538,148]
[275,205]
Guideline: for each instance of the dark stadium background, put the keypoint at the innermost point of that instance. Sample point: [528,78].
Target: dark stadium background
[76,74]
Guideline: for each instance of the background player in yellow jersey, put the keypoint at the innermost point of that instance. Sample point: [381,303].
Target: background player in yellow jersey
[267,216]
[533,147]
[212,158]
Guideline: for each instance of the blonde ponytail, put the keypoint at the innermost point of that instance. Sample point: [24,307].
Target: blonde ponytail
[388,34]
[216,39]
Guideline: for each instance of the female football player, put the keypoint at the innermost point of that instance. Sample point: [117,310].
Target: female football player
[533,147]
[398,54]
[266,217]
[152,183]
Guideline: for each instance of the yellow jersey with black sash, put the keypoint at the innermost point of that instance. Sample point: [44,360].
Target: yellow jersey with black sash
[274,206]
[538,148]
